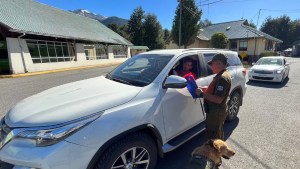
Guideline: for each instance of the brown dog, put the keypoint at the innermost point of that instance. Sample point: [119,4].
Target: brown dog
[208,156]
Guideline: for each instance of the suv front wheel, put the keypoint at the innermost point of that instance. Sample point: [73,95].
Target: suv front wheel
[136,151]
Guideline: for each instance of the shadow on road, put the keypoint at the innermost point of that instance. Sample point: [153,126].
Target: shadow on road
[268,84]
[179,158]
[229,127]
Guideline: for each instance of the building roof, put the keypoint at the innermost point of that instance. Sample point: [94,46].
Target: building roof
[139,47]
[30,17]
[234,30]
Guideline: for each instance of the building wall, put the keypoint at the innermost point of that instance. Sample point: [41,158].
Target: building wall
[21,61]
[260,47]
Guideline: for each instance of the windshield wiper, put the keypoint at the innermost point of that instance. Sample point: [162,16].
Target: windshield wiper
[108,76]
[120,80]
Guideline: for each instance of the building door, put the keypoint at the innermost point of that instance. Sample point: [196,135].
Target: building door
[4,63]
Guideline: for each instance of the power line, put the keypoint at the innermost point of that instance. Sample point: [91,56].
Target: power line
[190,10]
[210,3]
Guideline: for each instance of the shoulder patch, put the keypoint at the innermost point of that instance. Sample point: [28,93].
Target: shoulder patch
[220,88]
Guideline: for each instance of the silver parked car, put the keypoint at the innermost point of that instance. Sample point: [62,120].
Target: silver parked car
[271,69]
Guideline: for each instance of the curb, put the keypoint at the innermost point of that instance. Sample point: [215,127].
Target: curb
[57,70]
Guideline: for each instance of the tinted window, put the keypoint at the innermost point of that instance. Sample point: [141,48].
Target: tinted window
[208,57]
[140,70]
[231,60]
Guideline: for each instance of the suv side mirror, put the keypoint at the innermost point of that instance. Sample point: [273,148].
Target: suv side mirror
[253,63]
[175,82]
[286,64]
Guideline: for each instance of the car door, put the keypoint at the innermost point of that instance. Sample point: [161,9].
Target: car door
[180,111]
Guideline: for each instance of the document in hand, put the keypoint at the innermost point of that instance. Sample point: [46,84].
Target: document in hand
[192,86]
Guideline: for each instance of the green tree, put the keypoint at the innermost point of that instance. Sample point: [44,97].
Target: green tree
[167,36]
[190,18]
[205,23]
[295,30]
[280,28]
[219,40]
[135,26]
[251,24]
[153,37]
[121,30]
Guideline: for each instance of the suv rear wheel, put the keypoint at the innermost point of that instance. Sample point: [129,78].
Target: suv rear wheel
[234,106]
[136,151]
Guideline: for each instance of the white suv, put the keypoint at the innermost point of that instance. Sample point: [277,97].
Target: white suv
[120,121]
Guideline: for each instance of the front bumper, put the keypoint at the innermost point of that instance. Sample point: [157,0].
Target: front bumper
[24,154]
[265,77]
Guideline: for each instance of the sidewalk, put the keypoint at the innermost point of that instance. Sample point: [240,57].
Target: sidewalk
[57,70]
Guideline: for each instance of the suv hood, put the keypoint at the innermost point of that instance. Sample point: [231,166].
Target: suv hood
[266,67]
[69,102]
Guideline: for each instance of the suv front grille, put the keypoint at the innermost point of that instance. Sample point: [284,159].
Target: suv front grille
[263,71]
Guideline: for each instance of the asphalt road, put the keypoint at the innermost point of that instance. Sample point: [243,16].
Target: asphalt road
[265,135]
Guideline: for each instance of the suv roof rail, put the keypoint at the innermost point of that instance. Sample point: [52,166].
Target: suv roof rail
[206,49]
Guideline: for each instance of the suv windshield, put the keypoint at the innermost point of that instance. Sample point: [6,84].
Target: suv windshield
[269,61]
[140,70]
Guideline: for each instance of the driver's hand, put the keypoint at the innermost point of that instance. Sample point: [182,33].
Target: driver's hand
[198,91]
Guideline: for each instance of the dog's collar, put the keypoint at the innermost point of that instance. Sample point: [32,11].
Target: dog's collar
[208,161]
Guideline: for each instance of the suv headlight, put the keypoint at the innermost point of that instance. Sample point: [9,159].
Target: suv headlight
[45,136]
[279,71]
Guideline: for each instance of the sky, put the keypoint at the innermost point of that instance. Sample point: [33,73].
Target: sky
[216,11]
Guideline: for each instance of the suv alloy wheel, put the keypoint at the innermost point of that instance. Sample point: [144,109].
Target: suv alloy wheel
[136,151]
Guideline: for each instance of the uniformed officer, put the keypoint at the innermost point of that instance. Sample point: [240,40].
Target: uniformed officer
[216,97]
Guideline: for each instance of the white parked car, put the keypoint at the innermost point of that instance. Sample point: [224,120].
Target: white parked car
[122,120]
[272,69]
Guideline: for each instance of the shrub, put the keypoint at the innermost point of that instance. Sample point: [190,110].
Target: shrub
[268,54]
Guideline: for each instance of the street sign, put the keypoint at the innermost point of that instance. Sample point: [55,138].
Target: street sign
[243,55]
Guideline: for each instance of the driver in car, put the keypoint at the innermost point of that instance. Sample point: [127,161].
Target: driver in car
[186,69]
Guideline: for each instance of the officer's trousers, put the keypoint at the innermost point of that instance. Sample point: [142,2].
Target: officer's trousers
[215,123]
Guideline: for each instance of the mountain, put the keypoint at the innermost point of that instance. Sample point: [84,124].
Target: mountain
[115,20]
[89,14]
[105,20]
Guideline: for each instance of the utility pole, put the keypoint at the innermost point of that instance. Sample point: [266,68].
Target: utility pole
[255,33]
[180,1]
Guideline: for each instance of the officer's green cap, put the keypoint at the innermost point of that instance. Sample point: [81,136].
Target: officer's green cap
[219,56]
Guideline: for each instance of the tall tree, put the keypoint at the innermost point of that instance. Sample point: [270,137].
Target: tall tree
[251,24]
[280,28]
[205,23]
[167,36]
[135,26]
[190,18]
[121,30]
[219,40]
[295,29]
[153,37]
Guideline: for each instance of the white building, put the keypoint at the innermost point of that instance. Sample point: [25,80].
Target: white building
[37,37]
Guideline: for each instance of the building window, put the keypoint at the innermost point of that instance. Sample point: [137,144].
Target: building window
[48,51]
[233,45]
[119,51]
[243,46]
[96,52]
[268,45]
